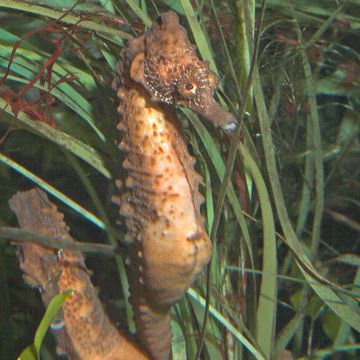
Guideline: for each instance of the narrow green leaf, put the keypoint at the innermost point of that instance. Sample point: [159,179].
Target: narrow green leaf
[32,352]
[330,352]
[350,259]
[51,190]
[314,128]
[211,347]
[178,345]
[28,354]
[107,5]
[319,284]
[51,311]
[68,96]
[66,141]
[266,313]
[69,18]
[174,4]
[54,242]
[183,315]
[61,67]
[219,166]
[344,328]
[139,12]
[221,319]
[288,332]
[199,36]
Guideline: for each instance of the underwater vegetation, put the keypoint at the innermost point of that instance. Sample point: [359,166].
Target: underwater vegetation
[277,195]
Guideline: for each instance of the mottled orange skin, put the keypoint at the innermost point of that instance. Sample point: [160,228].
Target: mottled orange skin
[161,207]
[87,333]
[160,202]
[91,333]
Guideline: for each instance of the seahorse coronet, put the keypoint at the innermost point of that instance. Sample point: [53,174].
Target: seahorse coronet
[165,63]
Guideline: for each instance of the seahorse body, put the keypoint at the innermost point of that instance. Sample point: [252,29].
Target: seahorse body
[83,330]
[161,203]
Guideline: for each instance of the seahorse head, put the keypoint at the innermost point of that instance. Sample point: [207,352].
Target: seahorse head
[166,64]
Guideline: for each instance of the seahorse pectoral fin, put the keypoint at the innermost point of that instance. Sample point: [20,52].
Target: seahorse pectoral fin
[137,68]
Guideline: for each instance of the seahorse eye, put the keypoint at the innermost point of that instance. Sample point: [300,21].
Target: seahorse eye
[188,89]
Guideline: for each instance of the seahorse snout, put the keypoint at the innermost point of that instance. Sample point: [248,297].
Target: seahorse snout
[214,112]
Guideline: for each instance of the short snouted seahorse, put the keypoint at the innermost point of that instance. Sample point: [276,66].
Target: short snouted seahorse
[161,201]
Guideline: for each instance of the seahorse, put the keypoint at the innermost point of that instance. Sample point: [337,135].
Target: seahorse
[82,329]
[160,202]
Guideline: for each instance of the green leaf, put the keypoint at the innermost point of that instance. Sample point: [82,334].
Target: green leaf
[78,148]
[67,18]
[235,332]
[51,190]
[51,311]
[139,12]
[219,166]
[175,5]
[32,352]
[199,36]
[319,284]
[350,259]
[266,313]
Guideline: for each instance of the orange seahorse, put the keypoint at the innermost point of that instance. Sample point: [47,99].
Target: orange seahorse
[161,203]
[82,329]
